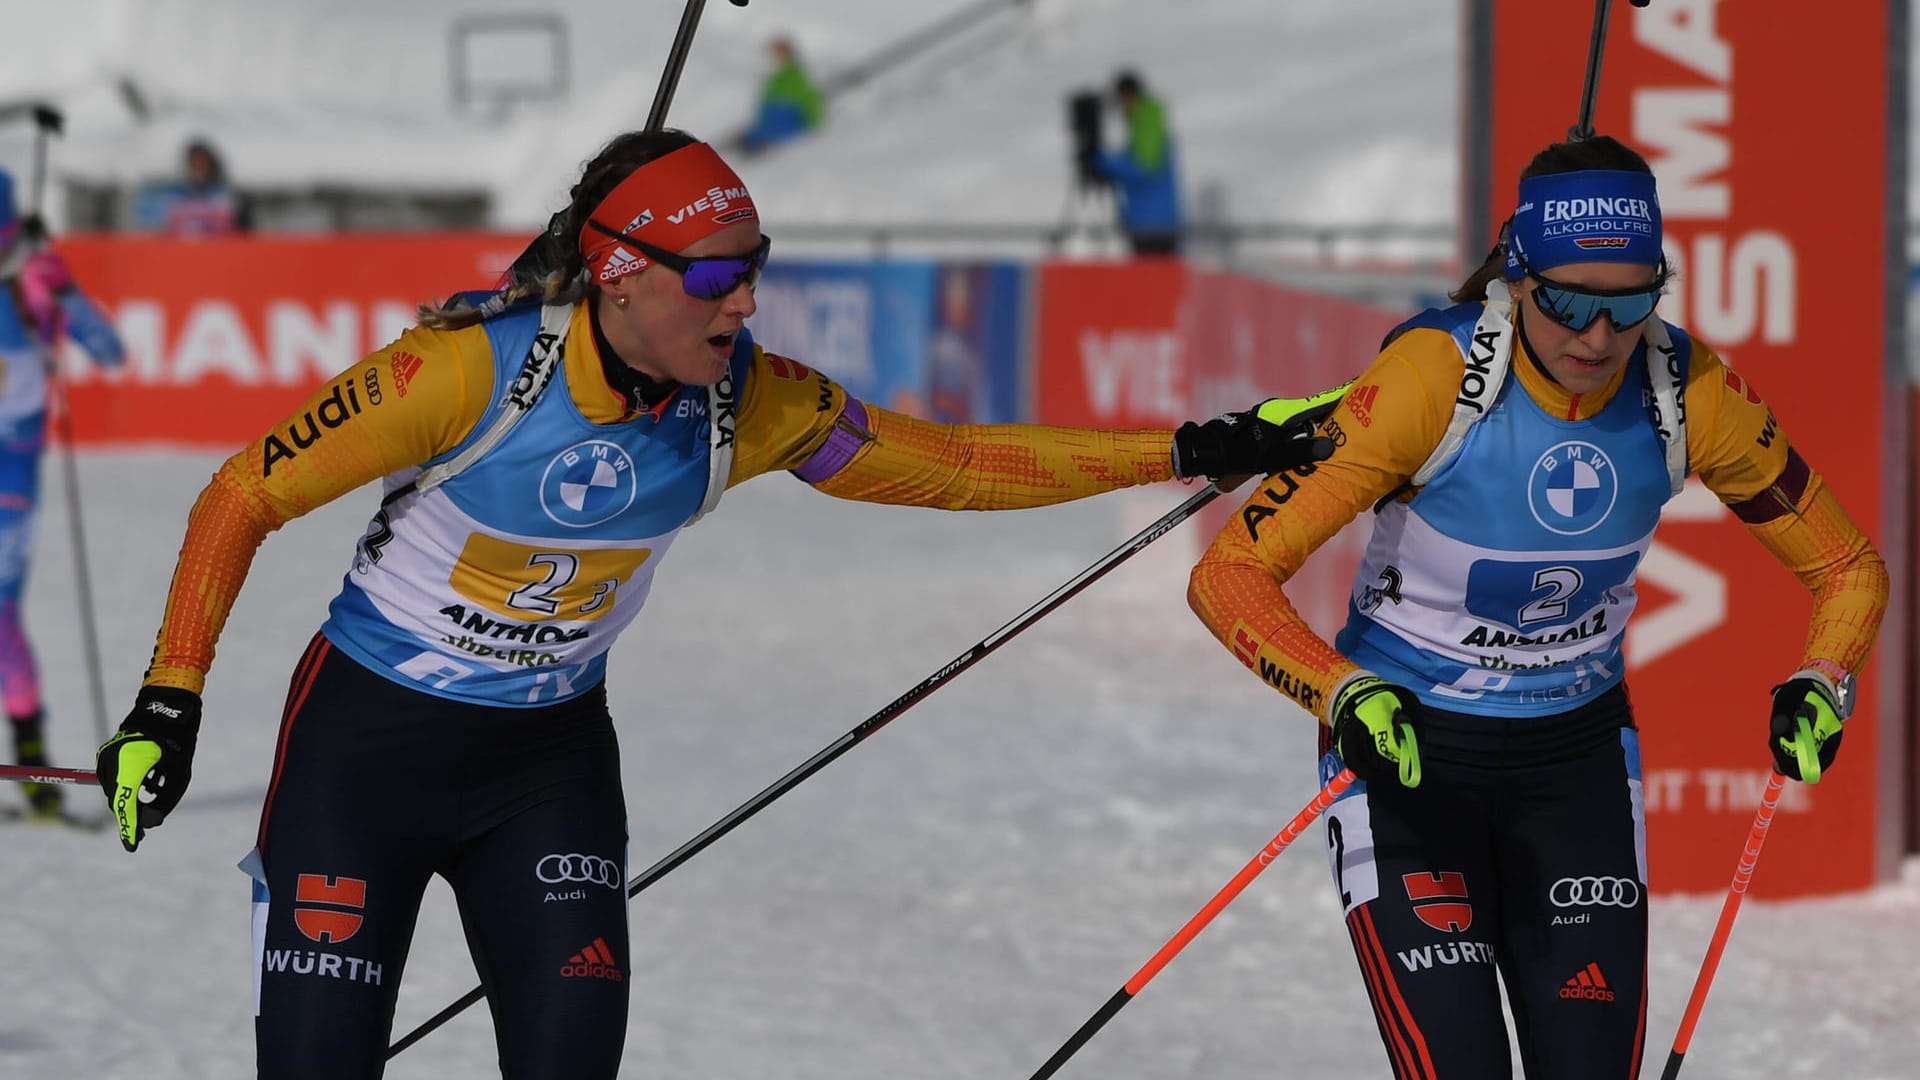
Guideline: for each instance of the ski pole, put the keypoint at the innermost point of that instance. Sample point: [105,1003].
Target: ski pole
[871,724]
[1742,874]
[1335,787]
[48,120]
[44,774]
[1602,12]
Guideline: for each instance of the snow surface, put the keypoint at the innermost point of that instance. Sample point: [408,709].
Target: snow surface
[951,898]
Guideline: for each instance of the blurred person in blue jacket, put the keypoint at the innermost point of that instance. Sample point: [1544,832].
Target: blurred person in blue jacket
[790,103]
[1145,173]
[39,305]
[200,204]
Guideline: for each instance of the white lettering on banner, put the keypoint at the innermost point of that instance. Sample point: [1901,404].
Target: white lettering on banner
[1736,286]
[1730,296]
[215,341]
[1673,125]
[1721,791]
[1138,371]
[387,320]
[1683,31]
[304,343]
[1698,607]
[303,349]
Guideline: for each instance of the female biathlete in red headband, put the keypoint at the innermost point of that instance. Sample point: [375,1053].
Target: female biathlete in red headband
[539,459]
[1516,449]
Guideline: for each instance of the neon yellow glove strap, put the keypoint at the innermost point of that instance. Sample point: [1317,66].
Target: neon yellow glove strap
[138,755]
[1810,735]
[1279,411]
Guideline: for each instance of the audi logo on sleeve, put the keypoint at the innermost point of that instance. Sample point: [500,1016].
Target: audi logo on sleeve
[576,869]
[1595,892]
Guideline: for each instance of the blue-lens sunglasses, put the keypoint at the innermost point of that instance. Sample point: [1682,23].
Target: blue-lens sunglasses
[1577,308]
[704,277]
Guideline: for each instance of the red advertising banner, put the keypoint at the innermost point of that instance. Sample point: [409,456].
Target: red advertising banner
[1154,343]
[1786,281]
[226,336]
[1107,345]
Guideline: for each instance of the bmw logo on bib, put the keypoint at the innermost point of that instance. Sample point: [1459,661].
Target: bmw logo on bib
[1572,488]
[587,484]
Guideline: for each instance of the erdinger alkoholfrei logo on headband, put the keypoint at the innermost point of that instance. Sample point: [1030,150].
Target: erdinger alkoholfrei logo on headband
[1596,215]
[1596,223]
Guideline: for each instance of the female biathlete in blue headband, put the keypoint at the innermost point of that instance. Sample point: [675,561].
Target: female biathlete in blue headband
[1518,447]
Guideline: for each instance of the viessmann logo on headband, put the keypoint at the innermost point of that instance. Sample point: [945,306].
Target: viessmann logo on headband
[704,194]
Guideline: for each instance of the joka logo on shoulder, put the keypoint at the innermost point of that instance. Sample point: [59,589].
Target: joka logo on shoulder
[329,924]
[1572,488]
[587,483]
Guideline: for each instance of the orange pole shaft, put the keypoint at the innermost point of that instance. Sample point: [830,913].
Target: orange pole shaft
[1742,876]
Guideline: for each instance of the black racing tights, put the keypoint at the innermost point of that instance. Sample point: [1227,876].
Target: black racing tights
[376,787]
[1521,853]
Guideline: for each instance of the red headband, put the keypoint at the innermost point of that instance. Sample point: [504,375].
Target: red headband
[670,202]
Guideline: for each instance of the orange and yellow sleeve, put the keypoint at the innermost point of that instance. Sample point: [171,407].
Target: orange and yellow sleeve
[410,401]
[1741,453]
[788,411]
[1383,431]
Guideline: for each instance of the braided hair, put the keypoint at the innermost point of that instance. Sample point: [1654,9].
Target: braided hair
[552,268]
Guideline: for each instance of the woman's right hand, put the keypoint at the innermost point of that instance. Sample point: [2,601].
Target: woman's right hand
[1277,435]
[145,767]
[1375,729]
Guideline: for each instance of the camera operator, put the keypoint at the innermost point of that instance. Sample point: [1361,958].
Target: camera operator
[1144,173]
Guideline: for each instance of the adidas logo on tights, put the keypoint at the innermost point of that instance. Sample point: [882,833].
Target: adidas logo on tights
[593,962]
[1589,985]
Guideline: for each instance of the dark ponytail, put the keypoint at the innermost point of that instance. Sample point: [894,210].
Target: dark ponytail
[553,273]
[1594,152]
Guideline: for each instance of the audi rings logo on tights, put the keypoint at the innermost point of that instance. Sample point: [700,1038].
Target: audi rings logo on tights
[1595,892]
[585,869]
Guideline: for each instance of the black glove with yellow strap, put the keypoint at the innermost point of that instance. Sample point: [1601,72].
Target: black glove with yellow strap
[1276,435]
[1375,728]
[145,767]
[1810,710]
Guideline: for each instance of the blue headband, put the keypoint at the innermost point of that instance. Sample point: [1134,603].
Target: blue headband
[1598,215]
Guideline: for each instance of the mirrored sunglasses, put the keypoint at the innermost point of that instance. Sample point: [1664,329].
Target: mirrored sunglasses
[705,277]
[1577,309]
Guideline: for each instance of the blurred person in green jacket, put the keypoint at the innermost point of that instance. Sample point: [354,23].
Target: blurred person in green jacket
[790,104]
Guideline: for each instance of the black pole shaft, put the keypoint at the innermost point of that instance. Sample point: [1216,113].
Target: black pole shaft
[38,190]
[1673,1065]
[676,59]
[77,536]
[872,724]
[1602,11]
[1087,1031]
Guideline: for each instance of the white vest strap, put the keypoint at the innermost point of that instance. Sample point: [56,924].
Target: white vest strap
[1490,358]
[722,403]
[543,359]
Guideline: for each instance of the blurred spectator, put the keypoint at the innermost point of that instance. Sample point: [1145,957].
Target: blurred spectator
[790,103]
[1144,174]
[198,205]
[39,304]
